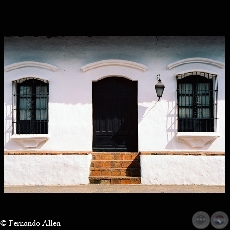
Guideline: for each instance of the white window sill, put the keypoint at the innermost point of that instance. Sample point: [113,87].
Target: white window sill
[197,139]
[30,140]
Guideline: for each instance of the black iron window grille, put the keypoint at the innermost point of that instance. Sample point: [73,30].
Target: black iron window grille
[30,106]
[197,102]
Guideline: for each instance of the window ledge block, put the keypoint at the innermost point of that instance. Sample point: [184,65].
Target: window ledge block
[197,139]
[30,140]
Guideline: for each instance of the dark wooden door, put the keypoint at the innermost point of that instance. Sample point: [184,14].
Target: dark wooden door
[115,126]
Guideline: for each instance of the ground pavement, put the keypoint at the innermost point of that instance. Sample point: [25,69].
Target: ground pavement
[104,188]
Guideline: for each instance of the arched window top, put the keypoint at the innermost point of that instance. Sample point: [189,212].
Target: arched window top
[30,78]
[206,74]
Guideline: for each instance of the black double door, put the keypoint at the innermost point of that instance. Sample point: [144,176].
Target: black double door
[115,126]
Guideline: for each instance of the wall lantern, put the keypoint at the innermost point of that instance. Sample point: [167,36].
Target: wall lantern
[159,87]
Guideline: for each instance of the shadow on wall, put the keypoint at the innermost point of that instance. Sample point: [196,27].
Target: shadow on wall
[7,123]
[170,126]
[141,112]
[134,169]
[10,144]
[171,118]
[171,131]
[171,121]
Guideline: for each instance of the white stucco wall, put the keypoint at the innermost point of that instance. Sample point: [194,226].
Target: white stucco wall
[185,170]
[46,170]
[70,99]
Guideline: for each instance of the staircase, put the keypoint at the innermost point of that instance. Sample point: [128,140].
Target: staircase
[115,168]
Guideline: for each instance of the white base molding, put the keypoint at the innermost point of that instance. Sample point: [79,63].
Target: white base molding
[30,141]
[197,139]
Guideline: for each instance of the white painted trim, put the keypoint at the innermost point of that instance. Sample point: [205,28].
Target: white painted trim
[197,59]
[30,140]
[197,139]
[112,62]
[30,64]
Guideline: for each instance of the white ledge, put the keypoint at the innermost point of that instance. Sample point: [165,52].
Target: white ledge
[30,64]
[30,140]
[197,139]
[112,62]
[197,59]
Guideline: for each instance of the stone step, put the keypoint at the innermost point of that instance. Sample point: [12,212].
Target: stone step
[114,180]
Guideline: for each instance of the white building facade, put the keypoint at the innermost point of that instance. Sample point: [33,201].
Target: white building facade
[68,97]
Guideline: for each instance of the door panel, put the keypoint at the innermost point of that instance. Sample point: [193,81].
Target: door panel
[115,115]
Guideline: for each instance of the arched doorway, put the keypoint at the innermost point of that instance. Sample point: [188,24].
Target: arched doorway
[115,115]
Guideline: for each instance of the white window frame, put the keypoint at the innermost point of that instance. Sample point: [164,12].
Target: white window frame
[199,139]
[25,140]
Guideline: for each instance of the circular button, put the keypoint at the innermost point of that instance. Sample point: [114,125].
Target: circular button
[219,220]
[201,220]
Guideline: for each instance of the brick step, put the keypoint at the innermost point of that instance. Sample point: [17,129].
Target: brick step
[114,164]
[115,156]
[115,168]
[114,180]
[133,172]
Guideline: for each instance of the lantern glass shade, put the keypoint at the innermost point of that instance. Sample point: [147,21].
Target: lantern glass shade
[159,92]
[159,88]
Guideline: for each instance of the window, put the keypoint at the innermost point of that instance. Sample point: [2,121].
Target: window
[197,102]
[30,106]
